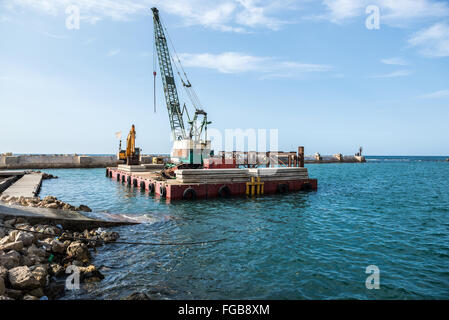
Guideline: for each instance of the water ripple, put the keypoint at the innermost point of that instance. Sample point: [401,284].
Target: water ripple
[393,214]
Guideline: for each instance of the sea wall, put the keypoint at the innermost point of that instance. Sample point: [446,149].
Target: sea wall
[336,158]
[56,161]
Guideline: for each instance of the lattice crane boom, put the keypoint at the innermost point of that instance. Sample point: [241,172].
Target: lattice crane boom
[168,80]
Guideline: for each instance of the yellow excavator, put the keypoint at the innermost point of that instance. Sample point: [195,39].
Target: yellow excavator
[132,154]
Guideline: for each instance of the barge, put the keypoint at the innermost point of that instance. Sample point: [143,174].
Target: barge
[221,177]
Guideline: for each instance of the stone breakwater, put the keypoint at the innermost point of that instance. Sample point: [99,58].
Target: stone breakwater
[34,258]
[55,161]
[46,176]
[49,202]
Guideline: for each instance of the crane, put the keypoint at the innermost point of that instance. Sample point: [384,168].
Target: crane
[189,147]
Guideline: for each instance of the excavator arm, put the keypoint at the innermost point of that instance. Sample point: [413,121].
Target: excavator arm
[131,142]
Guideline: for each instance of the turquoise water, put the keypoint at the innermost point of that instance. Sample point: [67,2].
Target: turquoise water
[389,212]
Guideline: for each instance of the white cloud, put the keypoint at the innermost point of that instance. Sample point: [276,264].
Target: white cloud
[436,95]
[433,41]
[343,9]
[394,61]
[253,15]
[56,36]
[235,62]
[224,15]
[113,52]
[394,74]
[392,12]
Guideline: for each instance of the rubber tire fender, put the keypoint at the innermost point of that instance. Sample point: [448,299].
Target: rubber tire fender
[189,194]
[163,191]
[224,192]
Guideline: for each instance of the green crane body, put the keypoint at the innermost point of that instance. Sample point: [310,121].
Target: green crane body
[196,154]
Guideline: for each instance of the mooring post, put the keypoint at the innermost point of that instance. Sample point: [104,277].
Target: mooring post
[301,156]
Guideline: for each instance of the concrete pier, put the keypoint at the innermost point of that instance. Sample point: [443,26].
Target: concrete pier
[67,219]
[28,186]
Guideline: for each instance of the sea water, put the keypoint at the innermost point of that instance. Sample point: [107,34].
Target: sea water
[391,213]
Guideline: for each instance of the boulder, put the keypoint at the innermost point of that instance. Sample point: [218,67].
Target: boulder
[77,263]
[40,273]
[52,205]
[23,226]
[5,298]
[11,237]
[36,259]
[26,237]
[56,270]
[20,220]
[68,207]
[90,274]
[21,278]
[54,290]
[58,247]
[26,261]
[10,260]
[79,251]
[38,292]
[50,199]
[3,272]
[14,294]
[4,240]
[16,245]
[109,236]
[33,250]
[10,222]
[83,207]
[52,231]
[2,286]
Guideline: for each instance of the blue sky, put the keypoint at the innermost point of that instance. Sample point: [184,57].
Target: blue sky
[311,69]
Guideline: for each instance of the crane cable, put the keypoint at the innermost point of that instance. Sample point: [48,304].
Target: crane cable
[122,242]
[154,74]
